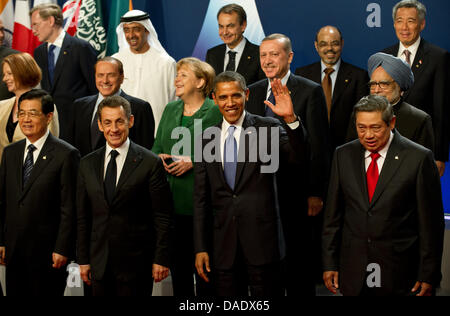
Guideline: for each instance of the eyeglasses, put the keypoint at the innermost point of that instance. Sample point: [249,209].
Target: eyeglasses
[32,114]
[333,44]
[382,84]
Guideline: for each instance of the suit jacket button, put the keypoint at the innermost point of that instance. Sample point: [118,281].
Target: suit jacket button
[234,196]
[369,240]
[369,213]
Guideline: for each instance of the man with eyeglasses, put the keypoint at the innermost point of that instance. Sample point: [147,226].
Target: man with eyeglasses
[37,203]
[343,84]
[391,77]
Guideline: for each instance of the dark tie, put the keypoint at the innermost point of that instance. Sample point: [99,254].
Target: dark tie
[94,131]
[327,87]
[110,177]
[372,175]
[271,99]
[408,56]
[28,165]
[231,66]
[51,63]
[230,158]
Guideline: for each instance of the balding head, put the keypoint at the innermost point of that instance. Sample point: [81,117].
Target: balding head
[328,44]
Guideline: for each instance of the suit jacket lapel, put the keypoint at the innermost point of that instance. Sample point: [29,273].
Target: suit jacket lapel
[245,59]
[44,158]
[316,74]
[243,152]
[420,58]
[132,160]
[63,54]
[342,80]
[393,160]
[361,171]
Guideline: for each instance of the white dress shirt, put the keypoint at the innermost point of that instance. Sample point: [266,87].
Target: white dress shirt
[38,144]
[120,159]
[412,49]
[382,152]
[239,49]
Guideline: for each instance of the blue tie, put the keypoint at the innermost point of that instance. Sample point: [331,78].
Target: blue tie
[28,164]
[230,158]
[51,63]
[271,99]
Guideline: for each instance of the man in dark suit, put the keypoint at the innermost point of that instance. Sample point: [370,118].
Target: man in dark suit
[124,209]
[237,53]
[390,77]
[430,66]
[109,76]
[37,208]
[298,215]
[67,63]
[4,51]
[236,211]
[384,226]
[344,85]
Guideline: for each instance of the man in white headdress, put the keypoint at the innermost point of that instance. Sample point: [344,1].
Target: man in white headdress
[149,71]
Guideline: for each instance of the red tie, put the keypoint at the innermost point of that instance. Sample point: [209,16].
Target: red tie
[372,175]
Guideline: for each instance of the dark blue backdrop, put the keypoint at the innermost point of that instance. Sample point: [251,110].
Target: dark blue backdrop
[178,23]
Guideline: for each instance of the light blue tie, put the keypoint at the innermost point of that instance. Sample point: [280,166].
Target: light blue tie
[230,158]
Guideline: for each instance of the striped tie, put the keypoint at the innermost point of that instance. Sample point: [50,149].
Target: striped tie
[28,165]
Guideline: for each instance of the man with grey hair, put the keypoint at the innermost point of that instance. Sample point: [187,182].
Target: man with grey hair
[390,77]
[299,214]
[67,63]
[236,53]
[429,63]
[383,226]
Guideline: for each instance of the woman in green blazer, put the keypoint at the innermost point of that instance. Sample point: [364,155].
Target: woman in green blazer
[194,112]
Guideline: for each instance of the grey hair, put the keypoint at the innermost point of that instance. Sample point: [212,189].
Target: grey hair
[420,7]
[375,103]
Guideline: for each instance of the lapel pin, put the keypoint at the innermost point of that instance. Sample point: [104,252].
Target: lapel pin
[417,66]
[346,80]
[420,61]
[396,157]
[249,57]
[65,53]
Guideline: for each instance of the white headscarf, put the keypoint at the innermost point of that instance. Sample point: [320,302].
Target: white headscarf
[152,37]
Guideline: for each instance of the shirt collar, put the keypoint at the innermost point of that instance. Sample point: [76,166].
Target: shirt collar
[336,66]
[239,48]
[39,143]
[101,97]
[59,40]
[284,80]
[238,124]
[385,149]
[122,150]
[412,49]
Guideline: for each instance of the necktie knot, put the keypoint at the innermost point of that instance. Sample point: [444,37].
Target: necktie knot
[232,54]
[114,154]
[31,148]
[407,54]
[231,66]
[375,156]
[231,130]
[328,71]
[51,48]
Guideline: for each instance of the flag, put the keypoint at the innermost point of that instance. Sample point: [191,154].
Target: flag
[23,38]
[7,17]
[83,19]
[118,8]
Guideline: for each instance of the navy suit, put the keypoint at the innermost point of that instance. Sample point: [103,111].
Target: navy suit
[73,77]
